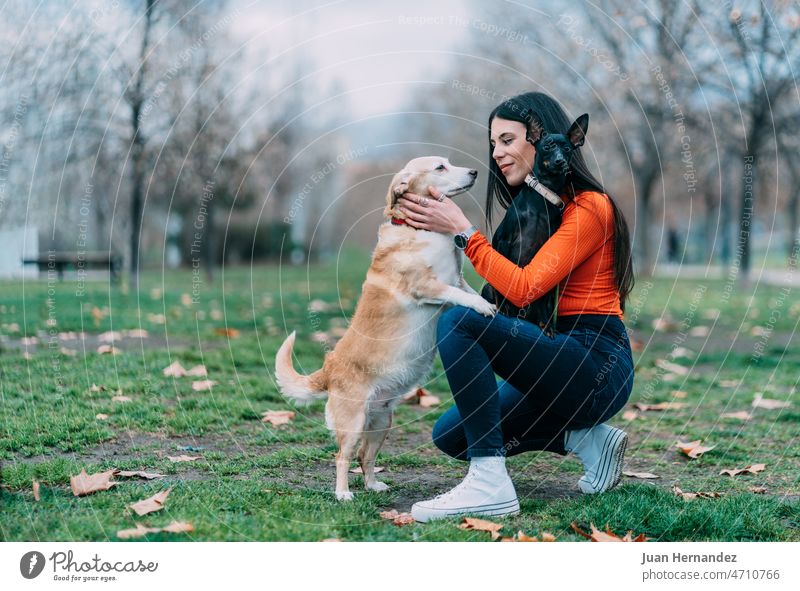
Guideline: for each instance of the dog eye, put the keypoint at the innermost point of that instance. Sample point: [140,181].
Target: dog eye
[441,167]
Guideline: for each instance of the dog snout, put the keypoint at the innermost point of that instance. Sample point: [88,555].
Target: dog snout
[473,173]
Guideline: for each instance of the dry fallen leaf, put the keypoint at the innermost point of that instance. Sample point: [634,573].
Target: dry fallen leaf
[679,394]
[174,369]
[358,470]
[175,527]
[397,518]
[759,490]
[277,417]
[84,484]
[121,398]
[629,415]
[643,475]
[198,371]
[742,415]
[607,536]
[470,523]
[664,324]
[186,299]
[183,458]
[761,402]
[108,349]
[728,383]
[227,332]
[157,318]
[689,496]
[693,449]
[101,417]
[151,504]
[137,333]
[36,490]
[660,406]
[672,367]
[109,337]
[96,388]
[139,474]
[201,385]
[751,469]
[699,331]
[520,536]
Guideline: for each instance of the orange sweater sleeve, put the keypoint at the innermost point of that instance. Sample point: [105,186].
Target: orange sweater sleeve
[586,225]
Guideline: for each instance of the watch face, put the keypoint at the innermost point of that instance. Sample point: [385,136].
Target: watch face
[460,241]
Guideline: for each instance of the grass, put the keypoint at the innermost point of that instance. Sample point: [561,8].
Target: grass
[259,482]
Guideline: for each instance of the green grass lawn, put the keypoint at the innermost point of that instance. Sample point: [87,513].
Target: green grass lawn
[255,481]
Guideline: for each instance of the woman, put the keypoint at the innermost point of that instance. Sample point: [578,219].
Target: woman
[555,394]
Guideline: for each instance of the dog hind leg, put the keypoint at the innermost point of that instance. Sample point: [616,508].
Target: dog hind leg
[375,431]
[348,420]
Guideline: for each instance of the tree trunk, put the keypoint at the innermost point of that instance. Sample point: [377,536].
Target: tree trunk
[746,218]
[644,181]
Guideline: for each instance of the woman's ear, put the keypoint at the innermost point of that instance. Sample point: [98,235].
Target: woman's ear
[397,187]
[577,131]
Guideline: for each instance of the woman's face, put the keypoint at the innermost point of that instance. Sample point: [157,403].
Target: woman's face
[512,152]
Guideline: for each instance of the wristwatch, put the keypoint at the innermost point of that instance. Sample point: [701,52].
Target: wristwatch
[462,238]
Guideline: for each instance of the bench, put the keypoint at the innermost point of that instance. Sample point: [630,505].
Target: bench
[58,261]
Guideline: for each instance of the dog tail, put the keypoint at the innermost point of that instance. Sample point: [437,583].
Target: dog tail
[294,385]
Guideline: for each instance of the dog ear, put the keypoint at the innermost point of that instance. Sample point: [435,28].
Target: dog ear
[534,128]
[577,131]
[397,187]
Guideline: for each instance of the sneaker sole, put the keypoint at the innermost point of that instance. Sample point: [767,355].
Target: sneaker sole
[425,514]
[615,465]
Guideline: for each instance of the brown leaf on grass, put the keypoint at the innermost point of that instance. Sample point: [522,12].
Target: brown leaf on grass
[679,394]
[760,402]
[157,318]
[728,383]
[101,417]
[198,371]
[109,337]
[642,475]
[422,397]
[120,398]
[96,388]
[277,417]
[742,415]
[664,324]
[607,536]
[183,458]
[203,385]
[699,331]
[138,474]
[136,333]
[231,333]
[396,517]
[36,490]
[186,299]
[151,504]
[174,369]
[629,415]
[637,345]
[660,406]
[693,449]
[108,350]
[176,527]
[759,490]
[672,367]
[751,469]
[689,495]
[470,523]
[358,470]
[85,484]
[68,352]
[97,315]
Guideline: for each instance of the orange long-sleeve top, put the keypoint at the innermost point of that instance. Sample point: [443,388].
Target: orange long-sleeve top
[578,257]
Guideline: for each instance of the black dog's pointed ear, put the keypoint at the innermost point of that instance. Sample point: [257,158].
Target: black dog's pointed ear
[577,131]
[534,129]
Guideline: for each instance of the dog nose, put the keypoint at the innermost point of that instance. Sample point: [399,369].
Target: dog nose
[473,173]
[560,161]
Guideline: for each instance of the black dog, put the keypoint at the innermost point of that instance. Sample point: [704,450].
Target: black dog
[535,214]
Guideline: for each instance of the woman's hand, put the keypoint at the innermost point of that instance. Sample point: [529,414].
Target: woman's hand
[428,213]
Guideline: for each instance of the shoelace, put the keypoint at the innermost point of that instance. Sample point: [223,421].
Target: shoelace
[470,475]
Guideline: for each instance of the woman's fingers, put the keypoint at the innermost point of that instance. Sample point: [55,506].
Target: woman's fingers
[410,201]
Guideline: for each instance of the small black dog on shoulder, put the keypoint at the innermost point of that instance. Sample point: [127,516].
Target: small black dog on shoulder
[535,214]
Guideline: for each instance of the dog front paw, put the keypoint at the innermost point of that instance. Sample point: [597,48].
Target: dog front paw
[483,307]
[378,486]
[345,495]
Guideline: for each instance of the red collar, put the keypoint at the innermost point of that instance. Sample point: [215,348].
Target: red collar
[399,222]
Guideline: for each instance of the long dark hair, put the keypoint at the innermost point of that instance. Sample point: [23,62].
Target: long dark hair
[554,120]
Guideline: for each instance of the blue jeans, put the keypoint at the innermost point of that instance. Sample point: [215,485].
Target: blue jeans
[578,379]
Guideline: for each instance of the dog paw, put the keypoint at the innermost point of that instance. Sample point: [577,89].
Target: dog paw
[378,486]
[483,307]
[344,496]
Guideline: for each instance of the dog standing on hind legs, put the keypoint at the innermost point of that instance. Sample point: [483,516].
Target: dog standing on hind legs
[390,345]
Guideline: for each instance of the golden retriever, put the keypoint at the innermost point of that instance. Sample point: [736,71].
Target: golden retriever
[390,344]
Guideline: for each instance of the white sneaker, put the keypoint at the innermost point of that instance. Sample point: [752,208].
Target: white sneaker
[486,490]
[601,449]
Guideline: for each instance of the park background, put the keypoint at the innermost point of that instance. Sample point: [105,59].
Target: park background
[234,158]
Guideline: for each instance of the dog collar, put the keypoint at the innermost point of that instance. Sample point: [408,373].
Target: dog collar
[399,222]
[534,184]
